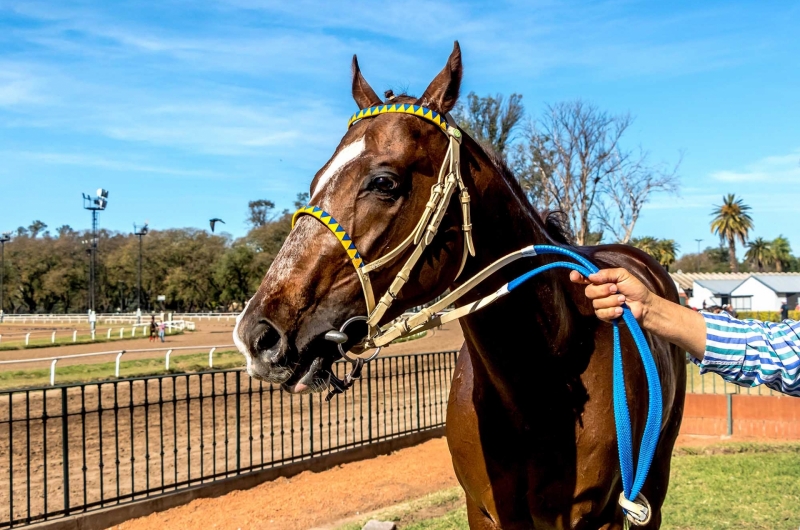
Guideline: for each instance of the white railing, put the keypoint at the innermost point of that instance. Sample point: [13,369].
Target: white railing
[171,327]
[118,353]
[112,317]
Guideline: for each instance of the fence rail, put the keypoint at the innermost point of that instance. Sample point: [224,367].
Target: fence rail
[75,448]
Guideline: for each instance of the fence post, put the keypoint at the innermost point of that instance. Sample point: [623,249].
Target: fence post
[416,385]
[93,335]
[53,338]
[27,337]
[53,372]
[133,331]
[211,357]
[65,448]
[74,335]
[120,332]
[168,352]
[108,335]
[369,400]
[238,423]
[116,369]
[730,413]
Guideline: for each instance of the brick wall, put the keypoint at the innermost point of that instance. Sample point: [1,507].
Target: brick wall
[770,417]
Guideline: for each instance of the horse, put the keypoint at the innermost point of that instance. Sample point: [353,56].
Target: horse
[530,423]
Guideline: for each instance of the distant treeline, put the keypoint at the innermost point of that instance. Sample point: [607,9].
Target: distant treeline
[195,270]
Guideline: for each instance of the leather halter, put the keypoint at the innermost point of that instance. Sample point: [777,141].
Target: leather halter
[449,179]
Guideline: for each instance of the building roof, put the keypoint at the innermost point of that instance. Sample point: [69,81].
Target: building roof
[720,286]
[687,279]
[725,282]
[784,283]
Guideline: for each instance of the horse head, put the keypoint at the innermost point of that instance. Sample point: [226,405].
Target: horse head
[376,186]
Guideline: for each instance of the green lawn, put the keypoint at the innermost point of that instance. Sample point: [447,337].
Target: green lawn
[132,368]
[736,486]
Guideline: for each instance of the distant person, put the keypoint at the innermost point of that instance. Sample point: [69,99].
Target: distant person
[744,352]
[784,311]
[161,328]
[731,311]
[153,328]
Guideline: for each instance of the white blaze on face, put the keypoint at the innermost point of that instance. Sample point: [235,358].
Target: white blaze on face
[342,158]
[238,340]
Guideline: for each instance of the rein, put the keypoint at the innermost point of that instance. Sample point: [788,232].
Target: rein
[635,507]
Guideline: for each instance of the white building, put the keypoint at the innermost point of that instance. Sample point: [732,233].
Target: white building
[763,291]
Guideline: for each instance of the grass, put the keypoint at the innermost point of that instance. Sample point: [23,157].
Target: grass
[732,486]
[81,373]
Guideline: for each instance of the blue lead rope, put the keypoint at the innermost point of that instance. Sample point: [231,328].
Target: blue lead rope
[632,478]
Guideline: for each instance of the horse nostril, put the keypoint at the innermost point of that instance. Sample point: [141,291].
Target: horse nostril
[268,340]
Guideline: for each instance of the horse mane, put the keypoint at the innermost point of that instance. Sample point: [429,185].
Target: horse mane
[554,222]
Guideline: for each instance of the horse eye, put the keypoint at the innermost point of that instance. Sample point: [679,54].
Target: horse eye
[384,183]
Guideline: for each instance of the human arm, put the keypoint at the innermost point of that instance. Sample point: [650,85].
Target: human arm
[609,289]
[744,352]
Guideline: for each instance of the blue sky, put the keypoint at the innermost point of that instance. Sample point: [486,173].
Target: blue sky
[187,110]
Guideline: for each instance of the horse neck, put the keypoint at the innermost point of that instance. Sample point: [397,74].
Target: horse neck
[533,323]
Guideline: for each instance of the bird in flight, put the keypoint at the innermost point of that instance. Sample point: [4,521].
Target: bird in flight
[214,221]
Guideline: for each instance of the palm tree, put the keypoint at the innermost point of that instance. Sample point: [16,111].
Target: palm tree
[648,244]
[759,253]
[731,222]
[663,250]
[668,249]
[781,252]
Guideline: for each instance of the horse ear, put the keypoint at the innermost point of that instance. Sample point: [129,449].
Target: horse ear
[442,94]
[362,92]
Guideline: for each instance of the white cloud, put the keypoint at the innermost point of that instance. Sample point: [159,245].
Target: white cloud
[781,168]
[113,164]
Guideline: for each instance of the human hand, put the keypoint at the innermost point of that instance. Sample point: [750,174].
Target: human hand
[609,289]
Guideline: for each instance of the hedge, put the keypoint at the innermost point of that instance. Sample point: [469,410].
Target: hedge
[767,316]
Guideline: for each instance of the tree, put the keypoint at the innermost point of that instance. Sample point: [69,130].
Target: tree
[781,252]
[260,212]
[573,149]
[491,120]
[759,253]
[731,223]
[663,250]
[627,189]
[36,228]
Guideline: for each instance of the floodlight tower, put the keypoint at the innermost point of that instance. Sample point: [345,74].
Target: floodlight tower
[5,237]
[139,231]
[94,204]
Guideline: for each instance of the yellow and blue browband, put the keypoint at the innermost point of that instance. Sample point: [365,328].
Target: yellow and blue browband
[401,108]
[333,225]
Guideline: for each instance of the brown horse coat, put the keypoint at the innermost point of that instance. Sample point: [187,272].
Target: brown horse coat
[530,418]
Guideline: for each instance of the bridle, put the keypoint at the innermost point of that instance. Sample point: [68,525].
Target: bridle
[635,506]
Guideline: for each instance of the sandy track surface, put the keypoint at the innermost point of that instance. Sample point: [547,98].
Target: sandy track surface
[311,499]
[208,334]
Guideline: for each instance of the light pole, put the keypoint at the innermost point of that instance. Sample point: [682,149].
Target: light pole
[4,238]
[698,245]
[139,232]
[94,204]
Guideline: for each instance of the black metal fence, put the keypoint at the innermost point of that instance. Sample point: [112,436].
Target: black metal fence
[73,448]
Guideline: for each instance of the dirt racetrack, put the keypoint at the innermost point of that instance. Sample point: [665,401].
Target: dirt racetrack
[189,426]
[324,500]
[209,333]
[312,499]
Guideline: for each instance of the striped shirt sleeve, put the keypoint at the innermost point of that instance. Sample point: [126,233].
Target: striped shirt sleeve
[751,352]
